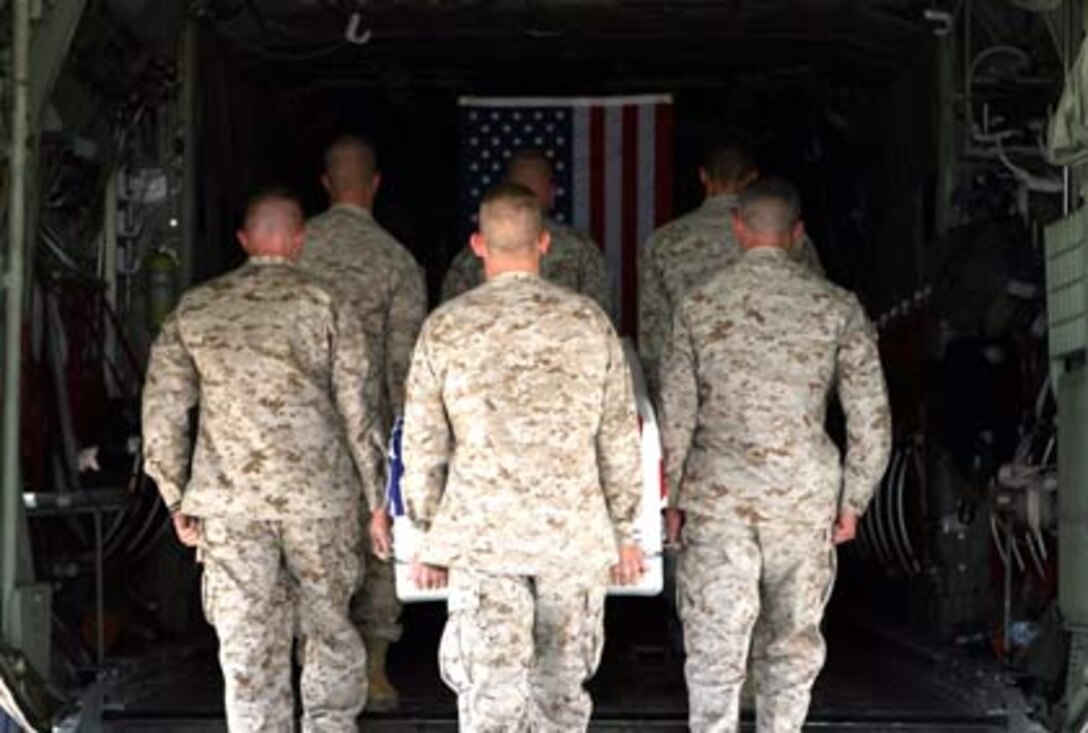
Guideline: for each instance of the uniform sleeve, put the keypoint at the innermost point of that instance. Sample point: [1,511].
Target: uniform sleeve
[595,282]
[406,313]
[864,400]
[619,448]
[679,403]
[360,401]
[653,315]
[171,390]
[465,273]
[427,442]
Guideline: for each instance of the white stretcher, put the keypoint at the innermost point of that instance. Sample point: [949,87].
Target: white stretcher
[648,529]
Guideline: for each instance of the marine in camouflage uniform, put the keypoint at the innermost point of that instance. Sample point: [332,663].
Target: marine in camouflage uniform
[287,437]
[384,288]
[752,357]
[573,260]
[522,466]
[691,249]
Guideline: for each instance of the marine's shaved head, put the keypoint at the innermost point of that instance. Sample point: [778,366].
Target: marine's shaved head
[511,219]
[533,169]
[351,168]
[273,224]
[770,206]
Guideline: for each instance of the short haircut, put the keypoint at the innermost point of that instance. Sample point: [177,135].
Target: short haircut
[770,205]
[350,162]
[511,218]
[268,194]
[530,156]
[728,158]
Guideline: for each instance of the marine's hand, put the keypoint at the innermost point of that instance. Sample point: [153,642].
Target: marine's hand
[631,566]
[674,522]
[187,528]
[846,527]
[429,577]
[381,534]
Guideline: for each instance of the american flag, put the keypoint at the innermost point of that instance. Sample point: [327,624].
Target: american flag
[613,164]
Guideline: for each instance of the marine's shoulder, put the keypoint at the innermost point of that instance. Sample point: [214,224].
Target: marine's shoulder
[673,228]
[564,235]
[573,305]
[681,232]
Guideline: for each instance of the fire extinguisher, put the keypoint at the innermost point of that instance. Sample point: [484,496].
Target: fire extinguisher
[162,268]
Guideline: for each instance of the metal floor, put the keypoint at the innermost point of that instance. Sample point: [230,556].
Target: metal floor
[872,682]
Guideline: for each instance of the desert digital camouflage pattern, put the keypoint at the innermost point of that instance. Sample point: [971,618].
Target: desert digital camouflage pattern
[746,376]
[287,434]
[573,261]
[279,372]
[506,630]
[679,256]
[521,445]
[384,288]
[523,467]
[725,570]
[381,282]
[251,569]
[751,359]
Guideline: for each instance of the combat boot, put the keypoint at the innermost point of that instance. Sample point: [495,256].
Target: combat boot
[382,697]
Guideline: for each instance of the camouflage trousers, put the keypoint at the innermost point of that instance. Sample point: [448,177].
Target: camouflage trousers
[518,650]
[260,576]
[375,610]
[756,588]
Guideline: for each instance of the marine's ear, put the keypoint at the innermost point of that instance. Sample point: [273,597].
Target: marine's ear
[478,245]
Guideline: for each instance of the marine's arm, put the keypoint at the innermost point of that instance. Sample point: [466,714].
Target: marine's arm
[679,403]
[171,390]
[428,438]
[407,310]
[360,401]
[653,316]
[864,399]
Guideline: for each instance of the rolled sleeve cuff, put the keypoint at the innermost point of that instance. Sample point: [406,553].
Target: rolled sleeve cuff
[171,496]
[856,501]
[625,532]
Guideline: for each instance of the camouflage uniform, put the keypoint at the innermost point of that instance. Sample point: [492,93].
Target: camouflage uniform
[679,256]
[573,261]
[287,429]
[522,466]
[384,286]
[746,373]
